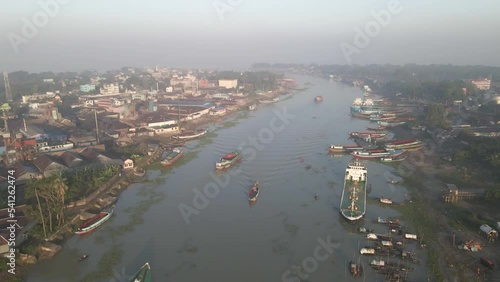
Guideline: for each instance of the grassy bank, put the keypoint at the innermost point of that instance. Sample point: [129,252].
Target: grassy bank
[418,215]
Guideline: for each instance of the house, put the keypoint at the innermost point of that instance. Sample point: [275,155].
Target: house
[128,164]
[48,165]
[490,233]
[22,173]
[218,111]
[97,158]
[71,159]
[165,129]
[81,140]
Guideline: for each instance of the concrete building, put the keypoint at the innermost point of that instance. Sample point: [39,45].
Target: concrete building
[165,130]
[108,89]
[228,83]
[37,97]
[482,84]
[87,88]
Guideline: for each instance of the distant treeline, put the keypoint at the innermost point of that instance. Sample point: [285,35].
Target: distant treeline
[387,73]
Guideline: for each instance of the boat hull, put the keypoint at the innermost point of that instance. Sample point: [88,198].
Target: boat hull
[104,216]
[353,201]
[221,166]
[190,136]
[143,275]
[173,160]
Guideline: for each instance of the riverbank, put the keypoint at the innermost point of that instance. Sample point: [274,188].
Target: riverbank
[121,181]
[434,219]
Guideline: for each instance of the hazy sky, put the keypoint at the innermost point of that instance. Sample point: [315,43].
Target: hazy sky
[107,34]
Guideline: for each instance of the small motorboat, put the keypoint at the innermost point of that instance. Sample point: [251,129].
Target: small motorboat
[84,257]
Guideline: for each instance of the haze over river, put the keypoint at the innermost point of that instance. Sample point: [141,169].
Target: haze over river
[230,240]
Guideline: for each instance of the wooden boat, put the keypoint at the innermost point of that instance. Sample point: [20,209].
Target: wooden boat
[91,224]
[171,156]
[318,99]
[143,275]
[378,128]
[367,251]
[385,200]
[269,101]
[84,257]
[191,134]
[391,123]
[403,144]
[368,154]
[252,107]
[367,134]
[228,160]
[254,192]
[356,269]
[392,159]
[343,148]
[488,263]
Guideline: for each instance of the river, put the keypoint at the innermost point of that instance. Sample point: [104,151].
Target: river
[226,239]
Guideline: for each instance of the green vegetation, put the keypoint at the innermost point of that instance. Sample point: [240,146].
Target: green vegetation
[418,215]
[482,151]
[435,116]
[106,264]
[460,217]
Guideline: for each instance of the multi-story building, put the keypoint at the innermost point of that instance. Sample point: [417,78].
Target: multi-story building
[107,89]
[87,88]
[482,84]
[228,83]
[38,97]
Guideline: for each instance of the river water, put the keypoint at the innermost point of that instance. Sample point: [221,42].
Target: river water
[224,238]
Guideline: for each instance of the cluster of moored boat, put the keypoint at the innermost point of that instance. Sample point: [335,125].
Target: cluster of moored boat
[381,112]
[386,116]
[390,246]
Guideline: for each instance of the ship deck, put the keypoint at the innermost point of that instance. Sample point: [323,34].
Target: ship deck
[360,188]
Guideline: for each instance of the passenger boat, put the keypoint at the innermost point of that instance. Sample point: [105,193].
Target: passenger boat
[353,201]
[378,128]
[404,144]
[356,269]
[191,134]
[171,156]
[370,154]
[91,224]
[254,192]
[318,99]
[392,159]
[361,116]
[343,148]
[269,101]
[228,160]
[391,123]
[385,200]
[366,134]
[367,251]
[143,275]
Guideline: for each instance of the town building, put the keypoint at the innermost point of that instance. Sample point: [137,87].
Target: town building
[482,84]
[107,89]
[228,83]
[87,88]
[38,97]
